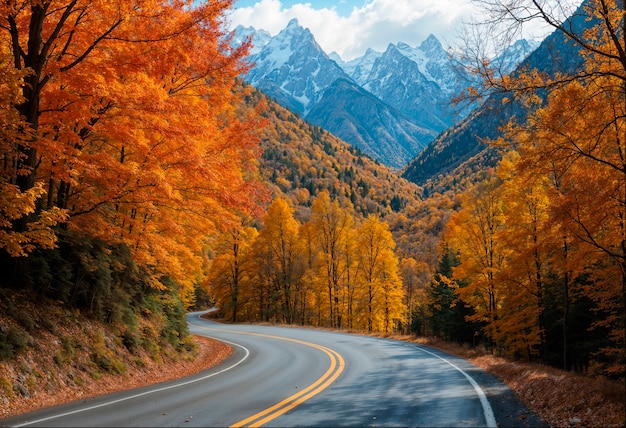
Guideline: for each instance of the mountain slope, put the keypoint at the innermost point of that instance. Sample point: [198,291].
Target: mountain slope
[300,160]
[462,147]
[376,128]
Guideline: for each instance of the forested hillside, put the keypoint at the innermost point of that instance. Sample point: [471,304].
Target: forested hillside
[534,258]
[130,191]
[120,152]
[516,255]
[300,160]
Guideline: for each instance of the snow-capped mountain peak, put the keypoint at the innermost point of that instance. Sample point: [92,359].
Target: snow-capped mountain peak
[294,69]
[359,68]
[259,38]
[431,44]
[513,55]
[361,100]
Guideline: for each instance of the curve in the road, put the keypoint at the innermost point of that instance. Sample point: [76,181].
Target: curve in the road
[337,365]
[178,385]
[385,382]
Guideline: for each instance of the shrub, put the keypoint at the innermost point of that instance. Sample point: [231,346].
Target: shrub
[6,388]
[12,342]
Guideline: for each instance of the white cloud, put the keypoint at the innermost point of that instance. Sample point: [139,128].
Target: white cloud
[374,25]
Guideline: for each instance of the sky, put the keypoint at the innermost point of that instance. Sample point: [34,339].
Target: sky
[349,27]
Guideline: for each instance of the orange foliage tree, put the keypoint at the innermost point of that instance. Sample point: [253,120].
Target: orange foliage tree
[474,232]
[533,240]
[129,130]
[577,141]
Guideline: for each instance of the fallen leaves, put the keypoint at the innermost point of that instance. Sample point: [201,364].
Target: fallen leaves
[558,397]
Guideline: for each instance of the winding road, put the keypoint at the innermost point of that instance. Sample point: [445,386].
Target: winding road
[279,376]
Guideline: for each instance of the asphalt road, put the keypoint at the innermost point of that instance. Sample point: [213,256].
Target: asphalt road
[280,376]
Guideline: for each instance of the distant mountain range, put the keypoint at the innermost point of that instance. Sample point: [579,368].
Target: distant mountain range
[462,148]
[390,104]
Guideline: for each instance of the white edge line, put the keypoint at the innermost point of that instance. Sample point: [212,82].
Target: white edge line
[108,403]
[488,411]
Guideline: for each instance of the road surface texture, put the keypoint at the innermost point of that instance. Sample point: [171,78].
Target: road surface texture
[285,377]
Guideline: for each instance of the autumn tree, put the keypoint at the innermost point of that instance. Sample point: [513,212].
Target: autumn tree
[279,238]
[576,138]
[532,239]
[380,281]
[313,304]
[230,273]
[149,153]
[473,232]
[351,279]
[415,277]
[331,225]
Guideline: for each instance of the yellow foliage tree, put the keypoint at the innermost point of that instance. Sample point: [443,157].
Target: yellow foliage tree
[331,225]
[382,306]
[230,274]
[474,233]
[279,239]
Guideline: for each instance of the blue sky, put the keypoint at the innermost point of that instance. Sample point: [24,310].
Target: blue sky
[349,27]
[343,7]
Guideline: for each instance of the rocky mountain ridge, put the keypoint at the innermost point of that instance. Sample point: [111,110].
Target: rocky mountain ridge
[390,105]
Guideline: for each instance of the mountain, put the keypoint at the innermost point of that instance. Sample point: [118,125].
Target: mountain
[460,149]
[420,82]
[397,80]
[359,68]
[390,105]
[514,55]
[358,117]
[293,69]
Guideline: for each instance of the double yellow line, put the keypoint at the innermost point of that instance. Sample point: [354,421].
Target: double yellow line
[336,368]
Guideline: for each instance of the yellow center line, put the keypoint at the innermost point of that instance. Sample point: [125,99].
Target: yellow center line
[336,368]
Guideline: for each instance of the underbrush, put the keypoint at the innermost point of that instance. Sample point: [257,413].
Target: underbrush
[51,351]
